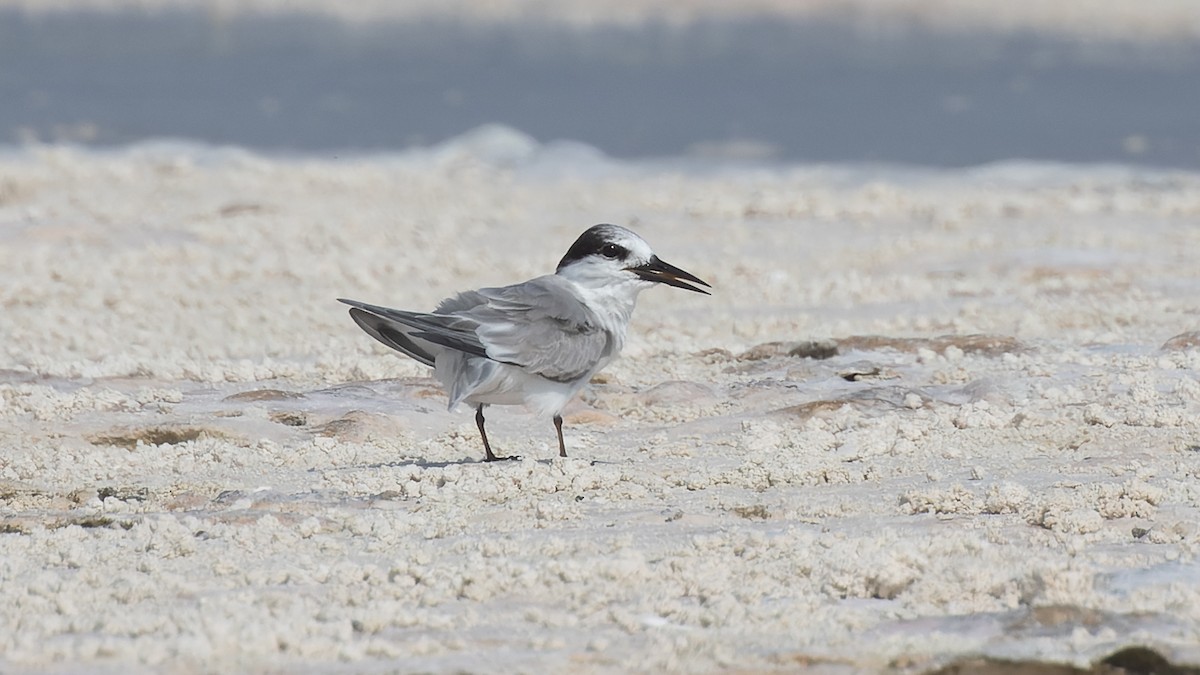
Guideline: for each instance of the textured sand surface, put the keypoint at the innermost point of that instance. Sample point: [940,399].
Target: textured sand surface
[925,417]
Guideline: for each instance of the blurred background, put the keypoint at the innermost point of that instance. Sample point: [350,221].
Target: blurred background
[922,82]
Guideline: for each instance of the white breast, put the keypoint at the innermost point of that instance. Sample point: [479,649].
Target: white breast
[510,385]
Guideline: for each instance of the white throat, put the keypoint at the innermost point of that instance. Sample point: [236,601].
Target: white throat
[612,300]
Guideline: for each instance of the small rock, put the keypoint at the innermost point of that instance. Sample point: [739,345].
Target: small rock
[1182,342]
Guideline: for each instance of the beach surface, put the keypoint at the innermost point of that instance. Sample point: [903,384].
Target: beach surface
[927,418]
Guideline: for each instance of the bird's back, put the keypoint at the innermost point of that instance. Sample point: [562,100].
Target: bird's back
[535,331]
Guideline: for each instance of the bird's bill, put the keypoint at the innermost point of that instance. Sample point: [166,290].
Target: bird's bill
[666,273]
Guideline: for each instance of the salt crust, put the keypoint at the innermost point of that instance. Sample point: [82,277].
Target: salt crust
[205,466]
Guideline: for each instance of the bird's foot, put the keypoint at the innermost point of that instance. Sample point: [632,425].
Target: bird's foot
[497,458]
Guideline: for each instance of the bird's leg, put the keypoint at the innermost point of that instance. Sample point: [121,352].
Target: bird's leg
[486,446]
[562,449]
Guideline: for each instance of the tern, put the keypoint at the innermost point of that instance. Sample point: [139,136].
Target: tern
[535,343]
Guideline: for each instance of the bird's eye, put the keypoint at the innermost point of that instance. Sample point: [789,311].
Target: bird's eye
[612,251]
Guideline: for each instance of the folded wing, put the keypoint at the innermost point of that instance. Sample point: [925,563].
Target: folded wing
[540,326]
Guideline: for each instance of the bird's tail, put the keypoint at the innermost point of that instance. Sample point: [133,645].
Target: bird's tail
[391,333]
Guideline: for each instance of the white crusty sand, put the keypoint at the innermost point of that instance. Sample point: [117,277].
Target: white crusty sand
[206,466]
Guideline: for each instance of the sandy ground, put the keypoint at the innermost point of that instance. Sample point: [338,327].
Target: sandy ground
[925,417]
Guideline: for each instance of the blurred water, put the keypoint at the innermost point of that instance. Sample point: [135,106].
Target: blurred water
[824,92]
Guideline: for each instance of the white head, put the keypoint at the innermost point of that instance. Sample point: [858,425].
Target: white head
[612,257]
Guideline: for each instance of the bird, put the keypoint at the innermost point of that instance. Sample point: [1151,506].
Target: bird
[534,343]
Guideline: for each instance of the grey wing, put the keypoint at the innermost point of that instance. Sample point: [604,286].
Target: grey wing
[541,326]
[392,335]
[416,334]
[461,302]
